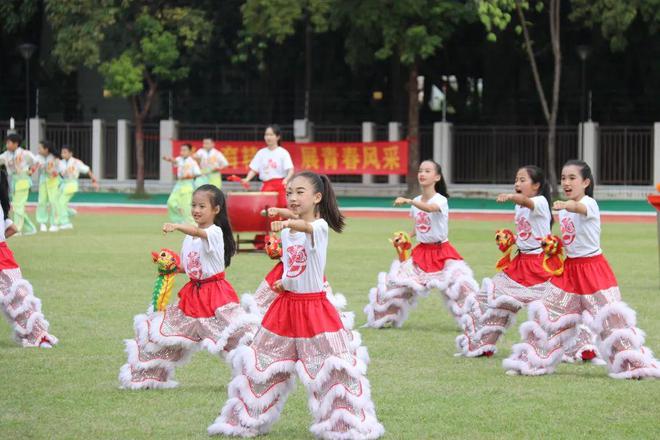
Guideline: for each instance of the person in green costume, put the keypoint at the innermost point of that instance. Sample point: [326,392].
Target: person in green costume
[180,200]
[49,187]
[70,168]
[20,163]
[211,161]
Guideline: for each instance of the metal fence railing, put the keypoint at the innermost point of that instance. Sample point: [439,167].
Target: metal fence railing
[626,155]
[19,127]
[76,135]
[110,151]
[152,159]
[491,155]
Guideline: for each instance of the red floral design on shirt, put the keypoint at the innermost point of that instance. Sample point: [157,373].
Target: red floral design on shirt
[567,231]
[523,228]
[194,265]
[423,222]
[296,260]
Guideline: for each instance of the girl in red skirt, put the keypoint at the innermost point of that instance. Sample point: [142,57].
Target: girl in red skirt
[302,335]
[208,314]
[19,305]
[259,301]
[524,279]
[434,262]
[273,164]
[586,292]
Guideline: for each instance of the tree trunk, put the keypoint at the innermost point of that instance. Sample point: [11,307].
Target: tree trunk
[413,132]
[555,33]
[139,155]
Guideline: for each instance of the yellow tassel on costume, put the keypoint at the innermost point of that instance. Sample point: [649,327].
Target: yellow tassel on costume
[402,245]
[505,240]
[553,260]
[168,264]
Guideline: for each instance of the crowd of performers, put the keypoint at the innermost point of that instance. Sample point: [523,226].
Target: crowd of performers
[294,325]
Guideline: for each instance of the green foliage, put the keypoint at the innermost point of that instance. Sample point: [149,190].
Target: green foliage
[409,29]
[277,19]
[15,14]
[128,41]
[615,17]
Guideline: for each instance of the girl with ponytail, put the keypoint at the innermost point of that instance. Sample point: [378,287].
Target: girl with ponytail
[434,262]
[302,335]
[522,279]
[21,308]
[208,314]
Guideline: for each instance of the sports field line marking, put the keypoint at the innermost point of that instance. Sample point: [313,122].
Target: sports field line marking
[348,209]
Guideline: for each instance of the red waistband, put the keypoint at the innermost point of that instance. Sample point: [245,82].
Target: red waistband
[433,245]
[582,260]
[3,244]
[303,296]
[529,256]
[275,180]
[217,277]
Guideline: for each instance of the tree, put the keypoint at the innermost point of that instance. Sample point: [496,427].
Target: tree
[615,17]
[496,14]
[276,21]
[135,45]
[15,14]
[409,30]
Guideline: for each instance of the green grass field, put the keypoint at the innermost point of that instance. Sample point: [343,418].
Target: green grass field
[94,279]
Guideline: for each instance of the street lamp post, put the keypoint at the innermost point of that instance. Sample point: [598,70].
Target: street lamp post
[26,50]
[583,52]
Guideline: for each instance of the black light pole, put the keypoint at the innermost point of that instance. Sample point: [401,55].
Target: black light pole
[26,50]
[583,52]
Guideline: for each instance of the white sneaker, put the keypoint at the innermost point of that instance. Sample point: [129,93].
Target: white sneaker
[30,233]
[66,226]
[53,228]
[43,228]
[18,234]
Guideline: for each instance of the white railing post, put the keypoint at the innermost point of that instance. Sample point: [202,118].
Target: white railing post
[169,131]
[368,135]
[37,134]
[123,150]
[98,146]
[393,135]
[590,146]
[442,148]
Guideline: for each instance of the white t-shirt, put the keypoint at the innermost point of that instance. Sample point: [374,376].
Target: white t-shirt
[186,168]
[211,160]
[581,233]
[202,258]
[271,164]
[48,166]
[532,226]
[304,261]
[18,161]
[72,168]
[431,227]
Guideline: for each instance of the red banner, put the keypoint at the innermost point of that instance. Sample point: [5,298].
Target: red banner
[380,158]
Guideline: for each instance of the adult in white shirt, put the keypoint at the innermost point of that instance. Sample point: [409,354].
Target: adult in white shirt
[273,164]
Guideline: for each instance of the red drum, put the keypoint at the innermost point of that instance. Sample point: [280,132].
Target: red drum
[245,210]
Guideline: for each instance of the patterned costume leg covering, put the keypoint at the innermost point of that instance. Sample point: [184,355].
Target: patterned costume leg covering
[21,191]
[23,311]
[621,343]
[584,346]
[458,288]
[500,299]
[396,293]
[339,392]
[550,328]
[166,340]
[68,190]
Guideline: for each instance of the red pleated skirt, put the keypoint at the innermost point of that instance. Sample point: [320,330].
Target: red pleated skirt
[527,270]
[301,315]
[431,257]
[7,257]
[276,186]
[585,275]
[201,298]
